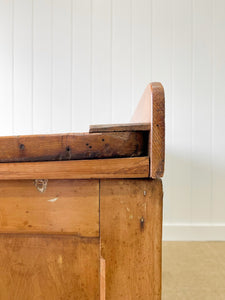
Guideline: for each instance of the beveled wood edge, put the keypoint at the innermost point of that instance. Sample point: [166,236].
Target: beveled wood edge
[151,108]
[132,167]
[119,127]
[157,133]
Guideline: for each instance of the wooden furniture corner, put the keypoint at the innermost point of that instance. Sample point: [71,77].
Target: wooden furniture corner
[81,213]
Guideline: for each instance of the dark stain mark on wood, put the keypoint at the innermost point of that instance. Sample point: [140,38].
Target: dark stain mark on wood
[142,223]
[68,152]
[74,146]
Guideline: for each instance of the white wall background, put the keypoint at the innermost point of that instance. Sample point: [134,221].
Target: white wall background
[65,64]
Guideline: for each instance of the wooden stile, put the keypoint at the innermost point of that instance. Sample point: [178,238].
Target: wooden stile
[131,237]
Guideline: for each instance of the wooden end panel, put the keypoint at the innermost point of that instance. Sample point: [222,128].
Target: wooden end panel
[131,237]
[132,167]
[157,133]
[48,267]
[151,108]
[65,207]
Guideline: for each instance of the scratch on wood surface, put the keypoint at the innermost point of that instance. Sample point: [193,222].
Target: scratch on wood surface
[53,199]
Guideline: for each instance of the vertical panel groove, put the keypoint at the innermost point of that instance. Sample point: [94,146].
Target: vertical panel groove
[111,45]
[32,67]
[212,111]
[13,129]
[131,57]
[91,60]
[173,175]
[51,88]
[192,79]
[151,24]
[71,65]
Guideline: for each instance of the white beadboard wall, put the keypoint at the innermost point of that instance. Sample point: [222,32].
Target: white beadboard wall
[65,64]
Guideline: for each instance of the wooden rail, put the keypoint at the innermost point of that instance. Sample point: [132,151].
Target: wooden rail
[133,167]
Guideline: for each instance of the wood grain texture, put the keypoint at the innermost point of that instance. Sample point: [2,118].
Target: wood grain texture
[134,167]
[151,108]
[72,146]
[66,207]
[131,234]
[157,133]
[120,127]
[102,278]
[48,267]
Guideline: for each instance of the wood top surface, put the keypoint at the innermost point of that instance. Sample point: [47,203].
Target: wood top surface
[143,137]
[75,146]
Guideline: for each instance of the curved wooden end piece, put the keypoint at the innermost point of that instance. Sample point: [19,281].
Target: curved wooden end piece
[151,108]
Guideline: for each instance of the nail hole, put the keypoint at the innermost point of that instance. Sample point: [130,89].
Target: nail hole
[142,221]
[103,140]
[90,147]
[157,125]
[68,148]
[87,144]
[22,146]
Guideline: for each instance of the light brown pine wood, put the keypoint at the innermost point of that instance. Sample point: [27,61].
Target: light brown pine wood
[134,167]
[151,108]
[131,234]
[102,278]
[98,237]
[48,267]
[66,207]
